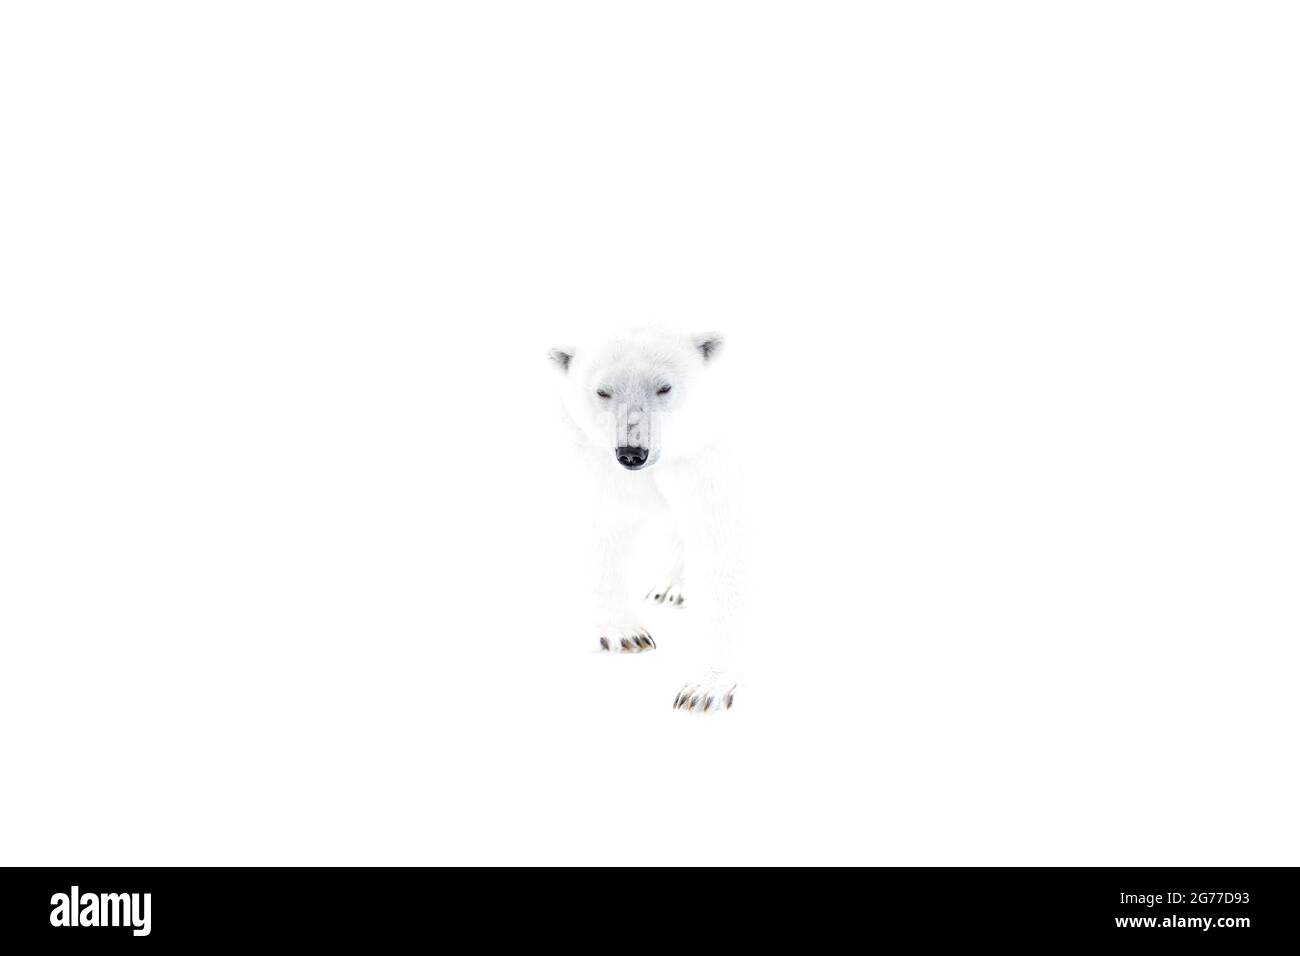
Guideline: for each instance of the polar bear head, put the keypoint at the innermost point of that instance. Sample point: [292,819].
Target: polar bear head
[641,394]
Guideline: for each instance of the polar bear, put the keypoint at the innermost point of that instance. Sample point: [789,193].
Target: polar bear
[650,426]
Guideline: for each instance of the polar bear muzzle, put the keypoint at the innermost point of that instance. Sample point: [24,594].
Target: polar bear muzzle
[634,446]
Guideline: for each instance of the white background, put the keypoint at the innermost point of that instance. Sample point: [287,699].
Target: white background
[287,551]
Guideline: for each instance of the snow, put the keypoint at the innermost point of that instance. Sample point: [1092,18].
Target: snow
[290,564]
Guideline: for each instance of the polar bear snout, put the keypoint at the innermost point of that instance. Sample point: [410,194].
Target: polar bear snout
[632,457]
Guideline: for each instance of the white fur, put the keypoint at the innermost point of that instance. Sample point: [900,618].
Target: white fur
[688,482]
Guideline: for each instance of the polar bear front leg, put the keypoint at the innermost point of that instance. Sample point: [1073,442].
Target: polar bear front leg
[709,524]
[617,628]
[715,690]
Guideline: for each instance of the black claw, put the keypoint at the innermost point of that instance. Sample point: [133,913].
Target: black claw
[708,702]
[626,644]
[728,701]
[604,643]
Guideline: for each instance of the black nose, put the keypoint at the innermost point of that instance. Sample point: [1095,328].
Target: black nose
[630,456]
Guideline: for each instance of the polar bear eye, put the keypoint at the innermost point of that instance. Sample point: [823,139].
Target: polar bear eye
[602,393]
[665,390]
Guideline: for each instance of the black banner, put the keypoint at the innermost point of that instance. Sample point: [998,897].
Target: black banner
[98,908]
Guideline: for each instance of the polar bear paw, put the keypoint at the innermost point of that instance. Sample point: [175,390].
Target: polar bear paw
[626,639]
[668,594]
[714,694]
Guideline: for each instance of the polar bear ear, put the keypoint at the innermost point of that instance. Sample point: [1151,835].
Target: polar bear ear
[561,358]
[709,345]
